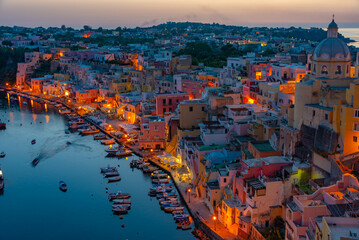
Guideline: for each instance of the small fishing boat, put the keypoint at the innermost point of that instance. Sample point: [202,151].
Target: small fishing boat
[108,169]
[2,155]
[108,141]
[89,131]
[33,141]
[114,179]
[63,186]
[127,206]
[67,131]
[118,195]
[123,153]
[68,143]
[1,180]
[133,163]
[2,126]
[111,174]
[99,137]
[120,210]
[171,209]
[35,161]
[112,150]
[160,181]
[187,226]
[122,201]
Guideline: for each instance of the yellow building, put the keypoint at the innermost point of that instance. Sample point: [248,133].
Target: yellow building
[330,77]
[122,85]
[346,120]
[192,113]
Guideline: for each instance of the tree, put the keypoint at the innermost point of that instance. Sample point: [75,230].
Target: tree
[7,43]
[63,28]
[87,28]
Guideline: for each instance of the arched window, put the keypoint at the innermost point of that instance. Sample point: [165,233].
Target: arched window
[315,68]
[339,70]
[347,69]
[324,70]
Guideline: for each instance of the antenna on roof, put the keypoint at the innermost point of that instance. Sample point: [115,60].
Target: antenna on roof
[333,16]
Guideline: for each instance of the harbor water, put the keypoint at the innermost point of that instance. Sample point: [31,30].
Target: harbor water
[33,207]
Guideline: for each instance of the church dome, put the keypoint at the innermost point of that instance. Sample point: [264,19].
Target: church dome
[332,49]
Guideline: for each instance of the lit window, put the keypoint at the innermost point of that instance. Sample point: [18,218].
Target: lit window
[324,70]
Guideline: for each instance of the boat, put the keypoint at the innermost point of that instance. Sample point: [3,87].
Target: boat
[111,174]
[112,150]
[99,137]
[2,126]
[63,186]
[64,111]
[33,141]
[122,201]
[187,226]
[120,210]
[118,195]
[114,179]
[89,131]
[159,175]
[1,180]
[183,223]
[123,153]
[133,163]
[108,141]
[67,131]
[108,169]
[171,209]
[2,155]
[160,181]
[127,206]
[68,143]
[35,161]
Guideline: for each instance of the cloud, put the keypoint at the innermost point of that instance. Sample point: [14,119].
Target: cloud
[149,23]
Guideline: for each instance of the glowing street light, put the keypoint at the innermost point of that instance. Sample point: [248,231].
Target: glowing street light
[189,195]
[214,222]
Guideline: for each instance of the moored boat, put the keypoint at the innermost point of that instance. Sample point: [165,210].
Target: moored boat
[111,174]
[114,179]
[2,126]
[108,141]
[126,206]
[112,150]
[108,169]
[171,209]
[62,186]
[99,137]
[33,141]
[122,201]
[2,155]
[123,153]
[118,195]
[90,131]
[120,210]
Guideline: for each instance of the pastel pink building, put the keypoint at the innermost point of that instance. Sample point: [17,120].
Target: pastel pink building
[153,133]
[168,102]
[326,201]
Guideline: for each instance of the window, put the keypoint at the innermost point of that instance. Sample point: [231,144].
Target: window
[164,110]
[202,109]
[156,128]
[170,110]
[356,127]
[164,101]
[339,70]
[315,68]
[224,179]
[326,116]
[170,102]
[324,70]
[313,113]
[191,109]
[355,139]
[356,113]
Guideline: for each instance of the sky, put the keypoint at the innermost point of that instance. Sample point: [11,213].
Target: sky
[132,13]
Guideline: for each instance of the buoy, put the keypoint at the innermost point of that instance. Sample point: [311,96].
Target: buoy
[123,225]
[106,187]
[121,217]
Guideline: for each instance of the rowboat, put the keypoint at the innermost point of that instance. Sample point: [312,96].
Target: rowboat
[114,179]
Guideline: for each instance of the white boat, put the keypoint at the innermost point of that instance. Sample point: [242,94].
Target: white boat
[1,180]
[112,150]
[108,141]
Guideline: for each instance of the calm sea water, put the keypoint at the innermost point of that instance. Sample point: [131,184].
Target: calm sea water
[352,33]
[33,207]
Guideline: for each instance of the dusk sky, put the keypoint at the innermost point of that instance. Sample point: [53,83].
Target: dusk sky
[130,13]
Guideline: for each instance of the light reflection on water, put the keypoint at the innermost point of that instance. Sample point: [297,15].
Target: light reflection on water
[32,206]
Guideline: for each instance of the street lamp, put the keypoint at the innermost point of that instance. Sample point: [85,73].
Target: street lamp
[189,195]
[214,222]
